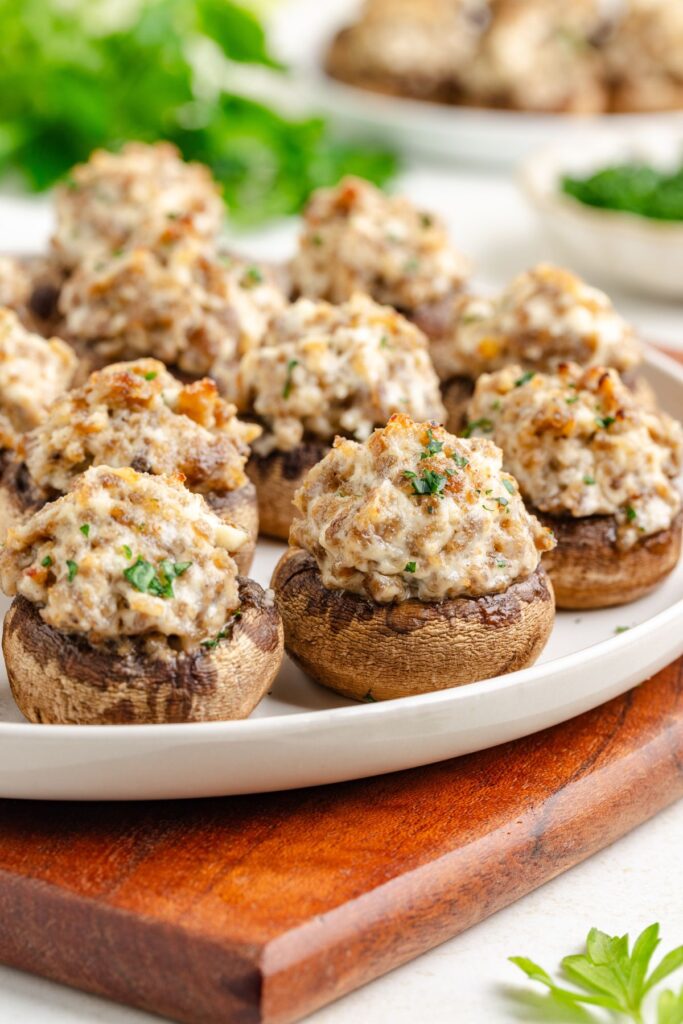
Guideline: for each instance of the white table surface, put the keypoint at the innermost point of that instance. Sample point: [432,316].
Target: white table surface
[624,888]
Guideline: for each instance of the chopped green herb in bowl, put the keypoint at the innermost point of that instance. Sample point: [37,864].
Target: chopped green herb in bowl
[632,188]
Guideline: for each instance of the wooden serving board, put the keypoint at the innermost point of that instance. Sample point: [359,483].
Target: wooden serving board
[245,909]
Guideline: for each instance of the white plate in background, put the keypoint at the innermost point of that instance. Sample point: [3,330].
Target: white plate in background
[302,734]
[300,31]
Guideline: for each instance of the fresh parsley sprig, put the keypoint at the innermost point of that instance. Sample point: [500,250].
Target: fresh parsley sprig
[72,80]
[613,976]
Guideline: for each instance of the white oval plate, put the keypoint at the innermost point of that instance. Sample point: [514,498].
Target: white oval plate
[303,734]
[301,30]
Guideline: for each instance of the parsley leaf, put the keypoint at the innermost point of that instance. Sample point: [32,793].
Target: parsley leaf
[612,975]
[252,276]
[159,582]
[85,529]
[46,562]
[223,633]
[631,513]
[430,482]
[605,421]
[433,447]
[287,389]
[410,566]
[73,569]
[484,424]
[460,460]
[589,480]
[525,378]
[151,375]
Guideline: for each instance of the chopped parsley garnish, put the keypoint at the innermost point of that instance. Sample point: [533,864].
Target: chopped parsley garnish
[509,486]
[411,566]
[222,633]
[46,562]
[369,698]
[589,480]
[525,378]
[159,582]
[73,569]
[85,529]
[501,564]
[460,460]
[426,220]
[384,343]
[622,629]
[151,375]
[287,389]
[127,551]
[570,401]
[496,406]
[605,421]
[317,240]
[252,276]
[429,483]
[631,513]
[484,424]
[433,447]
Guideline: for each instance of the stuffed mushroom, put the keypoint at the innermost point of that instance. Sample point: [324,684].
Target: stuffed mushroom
[357,239]
[544,317]
[137,414]
[413,566]
[187,305]
[596,466]
[145,195]
[328,370]
[128,608]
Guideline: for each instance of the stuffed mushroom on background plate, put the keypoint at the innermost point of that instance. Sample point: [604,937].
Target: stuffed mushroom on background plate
[302,31]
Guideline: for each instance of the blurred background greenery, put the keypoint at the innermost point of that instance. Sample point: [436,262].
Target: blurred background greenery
[78,74]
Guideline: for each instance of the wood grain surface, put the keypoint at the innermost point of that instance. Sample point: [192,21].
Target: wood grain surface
[264,908]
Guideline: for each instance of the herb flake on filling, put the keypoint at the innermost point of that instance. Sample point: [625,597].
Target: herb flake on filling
[430,482]
[144,577]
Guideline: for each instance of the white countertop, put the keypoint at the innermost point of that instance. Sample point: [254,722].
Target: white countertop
[624,888]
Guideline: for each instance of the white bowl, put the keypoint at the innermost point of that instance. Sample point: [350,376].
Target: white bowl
[636,251]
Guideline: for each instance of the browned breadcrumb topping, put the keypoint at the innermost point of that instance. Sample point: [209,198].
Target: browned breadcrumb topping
[137,414]
[416,512]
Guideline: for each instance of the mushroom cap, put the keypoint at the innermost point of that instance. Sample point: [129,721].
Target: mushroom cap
[277,476]
[589,570]
[373,651]
[62,679]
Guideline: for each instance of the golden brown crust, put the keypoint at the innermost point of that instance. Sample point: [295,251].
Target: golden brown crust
[589,570]
[376,652]
[277,476]
[63,679]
